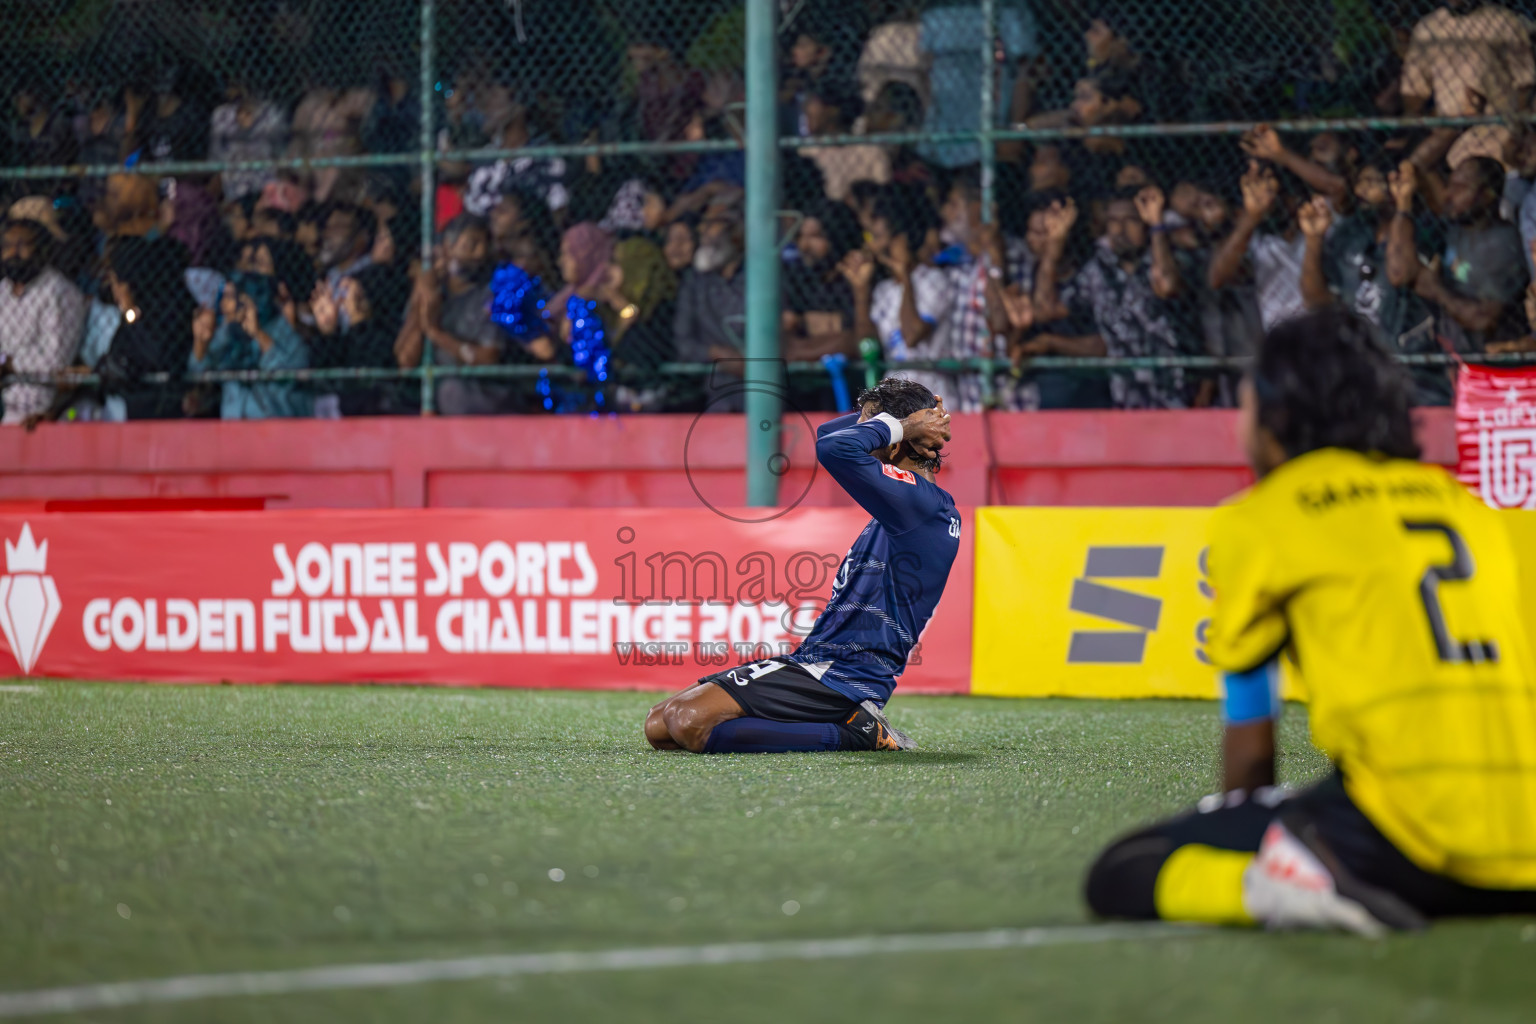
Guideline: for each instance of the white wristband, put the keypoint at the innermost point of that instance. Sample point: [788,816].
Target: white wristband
[894,424]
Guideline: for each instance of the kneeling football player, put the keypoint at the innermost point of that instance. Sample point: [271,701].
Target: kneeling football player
[829,693]
[1394,591]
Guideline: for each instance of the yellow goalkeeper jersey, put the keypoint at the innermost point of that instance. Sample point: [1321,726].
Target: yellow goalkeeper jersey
[1395,591]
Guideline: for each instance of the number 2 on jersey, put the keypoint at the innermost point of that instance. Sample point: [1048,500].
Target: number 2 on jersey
[1459,569]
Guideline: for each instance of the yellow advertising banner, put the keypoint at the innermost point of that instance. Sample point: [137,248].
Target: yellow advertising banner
[1091,602]
[1110,602]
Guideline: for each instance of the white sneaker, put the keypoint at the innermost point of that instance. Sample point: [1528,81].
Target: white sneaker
[1288,886]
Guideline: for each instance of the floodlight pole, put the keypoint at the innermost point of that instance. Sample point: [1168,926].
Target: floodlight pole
[988,106]
[763,375]
[428,181]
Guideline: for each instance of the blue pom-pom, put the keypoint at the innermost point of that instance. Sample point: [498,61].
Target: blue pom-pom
[589,342]
[516,301]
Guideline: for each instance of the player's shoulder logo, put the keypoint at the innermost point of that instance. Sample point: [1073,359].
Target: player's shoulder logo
[954,527]
[898,474]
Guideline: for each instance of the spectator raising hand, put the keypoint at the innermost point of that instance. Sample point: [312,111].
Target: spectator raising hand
[1150,203]
[1263,143]
[1059,218]
[1404,184]
[1263,247]
[1164,271]
[1314,218]
[1260,189]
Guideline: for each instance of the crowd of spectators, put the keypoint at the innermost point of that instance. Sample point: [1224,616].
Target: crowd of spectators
[1124,246]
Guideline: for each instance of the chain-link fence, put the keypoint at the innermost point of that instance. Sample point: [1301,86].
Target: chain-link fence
[250,208]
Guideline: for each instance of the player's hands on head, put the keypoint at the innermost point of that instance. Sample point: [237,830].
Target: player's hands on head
[927,430]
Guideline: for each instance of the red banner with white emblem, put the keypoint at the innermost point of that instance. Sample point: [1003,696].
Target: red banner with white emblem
[1496,434]
[581,598]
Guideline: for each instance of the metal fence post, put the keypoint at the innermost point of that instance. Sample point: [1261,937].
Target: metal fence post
[428,183]
[764,370]
[988,104]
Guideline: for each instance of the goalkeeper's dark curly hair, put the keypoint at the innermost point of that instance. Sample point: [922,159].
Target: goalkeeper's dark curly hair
[1326,380]
[901,398]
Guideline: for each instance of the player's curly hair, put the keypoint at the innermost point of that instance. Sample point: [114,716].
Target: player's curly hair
[901,398]
[1326,380]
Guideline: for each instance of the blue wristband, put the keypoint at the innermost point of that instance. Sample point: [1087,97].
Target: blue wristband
[1252,696]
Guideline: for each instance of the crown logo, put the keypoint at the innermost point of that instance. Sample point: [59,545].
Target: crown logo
[26,555]
[29,600]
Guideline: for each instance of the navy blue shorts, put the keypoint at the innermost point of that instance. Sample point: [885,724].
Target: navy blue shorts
[782,691]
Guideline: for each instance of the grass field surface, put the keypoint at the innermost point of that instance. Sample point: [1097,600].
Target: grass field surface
[155,831]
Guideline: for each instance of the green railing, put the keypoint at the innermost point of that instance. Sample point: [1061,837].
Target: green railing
[1185,28]
[990,371]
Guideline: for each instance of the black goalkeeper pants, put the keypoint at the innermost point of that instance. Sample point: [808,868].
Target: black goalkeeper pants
[1123,881]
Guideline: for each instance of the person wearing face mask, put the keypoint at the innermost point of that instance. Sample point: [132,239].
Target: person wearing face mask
[259,331]
[449,323]
[42,314]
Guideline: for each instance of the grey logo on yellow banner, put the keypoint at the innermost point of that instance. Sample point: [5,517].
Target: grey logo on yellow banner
[1092,597]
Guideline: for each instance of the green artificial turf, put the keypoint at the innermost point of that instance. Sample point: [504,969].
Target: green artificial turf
[148,831]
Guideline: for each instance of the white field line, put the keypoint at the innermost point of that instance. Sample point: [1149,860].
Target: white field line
[83,998]
[20,688]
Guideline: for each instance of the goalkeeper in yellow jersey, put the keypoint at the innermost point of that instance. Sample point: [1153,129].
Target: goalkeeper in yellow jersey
[1393,591]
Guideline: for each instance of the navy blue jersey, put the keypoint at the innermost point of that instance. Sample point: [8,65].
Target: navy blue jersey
[891,579]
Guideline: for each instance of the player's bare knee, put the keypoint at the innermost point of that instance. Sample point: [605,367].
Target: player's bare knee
[656,729]
[689,726]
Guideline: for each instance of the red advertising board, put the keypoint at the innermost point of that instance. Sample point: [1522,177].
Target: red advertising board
[1496,434]
[579,598]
